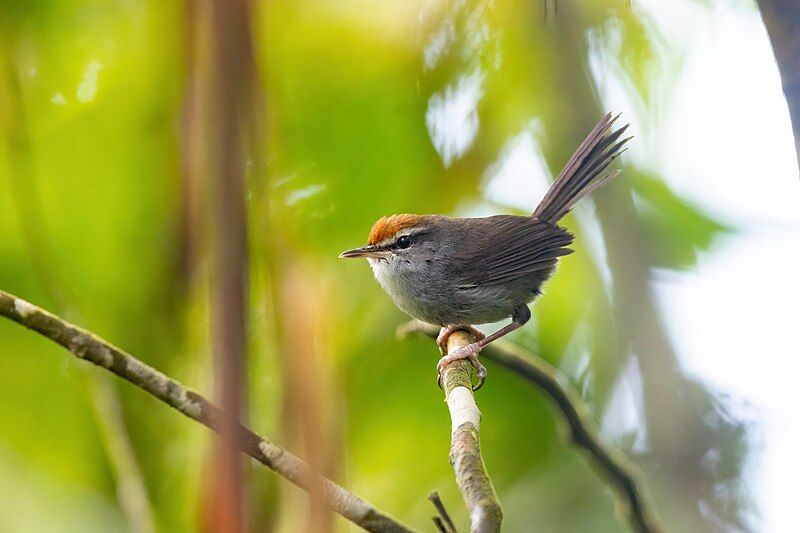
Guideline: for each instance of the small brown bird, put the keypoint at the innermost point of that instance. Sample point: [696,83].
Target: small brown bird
[457,272]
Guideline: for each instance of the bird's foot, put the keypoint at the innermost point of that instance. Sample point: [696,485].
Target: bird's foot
[470,351]
[446,331]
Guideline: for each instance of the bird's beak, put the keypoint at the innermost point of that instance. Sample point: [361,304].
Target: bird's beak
[366,251]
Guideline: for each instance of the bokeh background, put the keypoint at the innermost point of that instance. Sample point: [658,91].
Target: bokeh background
[676,319]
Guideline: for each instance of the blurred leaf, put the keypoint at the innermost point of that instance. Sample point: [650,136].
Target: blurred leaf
[681,229]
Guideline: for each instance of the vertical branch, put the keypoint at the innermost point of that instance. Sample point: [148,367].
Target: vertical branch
[195,21]
[465,452]
[677,411]
[782,18]
[131,489]
[305,391]
[229,87]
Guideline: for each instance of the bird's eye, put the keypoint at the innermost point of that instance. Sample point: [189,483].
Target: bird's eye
[404,241]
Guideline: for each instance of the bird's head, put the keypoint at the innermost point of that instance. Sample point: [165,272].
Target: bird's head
[397,237]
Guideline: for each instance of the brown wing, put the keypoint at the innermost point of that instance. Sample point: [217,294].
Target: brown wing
[505,247]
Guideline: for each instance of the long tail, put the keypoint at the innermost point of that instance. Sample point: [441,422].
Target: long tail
[583,172]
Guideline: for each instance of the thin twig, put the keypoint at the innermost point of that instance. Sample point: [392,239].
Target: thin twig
[447,525]
[88,346]
[465,452]
[614,466]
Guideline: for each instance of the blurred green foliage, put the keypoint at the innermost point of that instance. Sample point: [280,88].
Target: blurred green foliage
[91,103]
[659,208]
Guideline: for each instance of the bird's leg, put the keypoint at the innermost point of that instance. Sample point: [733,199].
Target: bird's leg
[520,316]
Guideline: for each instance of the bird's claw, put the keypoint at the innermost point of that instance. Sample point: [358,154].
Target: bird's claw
[470,351]
[446,331]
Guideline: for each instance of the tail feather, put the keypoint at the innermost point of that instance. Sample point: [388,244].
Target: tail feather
[583,173]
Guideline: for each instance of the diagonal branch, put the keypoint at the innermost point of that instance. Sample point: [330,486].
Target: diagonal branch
[465,452]
[85,345]
[611,463]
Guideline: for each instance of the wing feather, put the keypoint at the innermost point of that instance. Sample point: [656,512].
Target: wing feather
[505,247]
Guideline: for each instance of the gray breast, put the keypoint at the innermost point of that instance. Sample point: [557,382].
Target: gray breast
[422,294]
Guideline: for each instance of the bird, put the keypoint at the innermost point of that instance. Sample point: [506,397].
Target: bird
[457,273]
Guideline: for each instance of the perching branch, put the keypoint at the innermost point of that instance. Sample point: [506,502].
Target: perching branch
[611,463]
[85,345]
[465,452]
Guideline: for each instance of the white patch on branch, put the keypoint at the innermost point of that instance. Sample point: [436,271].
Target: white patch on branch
[269,450]
[106,359]
[77,347]
[463,408]
[24,308]
[192,409]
